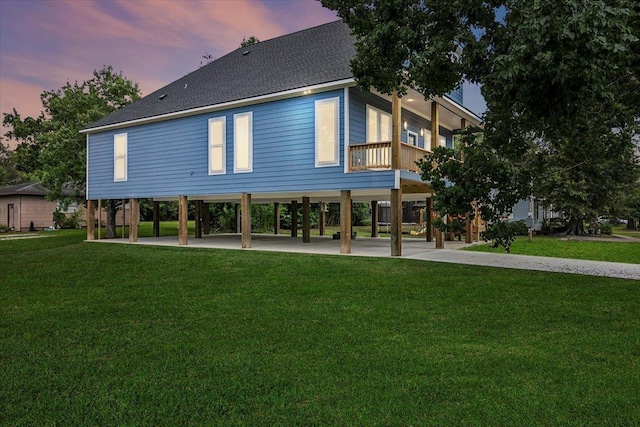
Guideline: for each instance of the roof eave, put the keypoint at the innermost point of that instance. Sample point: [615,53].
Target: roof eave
[322,87]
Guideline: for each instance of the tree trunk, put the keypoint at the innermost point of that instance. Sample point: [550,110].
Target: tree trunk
[575,227]
[631,224]
[111,206]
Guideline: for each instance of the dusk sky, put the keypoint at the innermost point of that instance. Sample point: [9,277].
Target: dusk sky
[45,43]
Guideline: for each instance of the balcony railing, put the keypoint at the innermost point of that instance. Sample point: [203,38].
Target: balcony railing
[377,155]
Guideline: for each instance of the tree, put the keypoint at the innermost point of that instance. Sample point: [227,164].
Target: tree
[476,172]
[565,73]
[560,78]
[206,59]
[249,42]
[53,141]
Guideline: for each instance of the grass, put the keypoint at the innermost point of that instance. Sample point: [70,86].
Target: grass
[622,230]
[613,251]
[170,228]
[100,334]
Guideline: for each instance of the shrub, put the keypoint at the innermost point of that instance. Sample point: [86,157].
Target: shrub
[4,228]
[605,228]
[62,220]
[520,227]
[500,233]
[553,226]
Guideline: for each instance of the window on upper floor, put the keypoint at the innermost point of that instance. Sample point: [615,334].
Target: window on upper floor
[243,142]
[427,139]
[120,157]
[412,138]
[442,141]
[217,144]
[327,112]
[378,125]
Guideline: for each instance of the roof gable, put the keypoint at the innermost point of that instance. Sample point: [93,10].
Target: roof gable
[309,57]
[26,189]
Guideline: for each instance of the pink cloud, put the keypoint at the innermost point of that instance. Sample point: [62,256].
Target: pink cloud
[19,95]
[44,44]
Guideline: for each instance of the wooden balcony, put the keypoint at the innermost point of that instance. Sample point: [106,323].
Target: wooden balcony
[377,156]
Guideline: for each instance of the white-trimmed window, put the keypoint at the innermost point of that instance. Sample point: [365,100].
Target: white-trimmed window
[412,138]
[327,112]
[243,142]
[378,125]
[120,157]
[427,139]
[217,144]
[442,141]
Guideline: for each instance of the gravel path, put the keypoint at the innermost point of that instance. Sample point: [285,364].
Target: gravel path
[526,262]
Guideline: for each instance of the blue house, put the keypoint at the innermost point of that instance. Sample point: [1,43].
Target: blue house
[278,122]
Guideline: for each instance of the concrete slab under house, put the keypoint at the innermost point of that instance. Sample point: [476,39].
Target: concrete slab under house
[281,121]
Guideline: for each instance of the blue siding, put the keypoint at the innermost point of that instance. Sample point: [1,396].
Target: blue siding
[358,113]
[170,158]
[456,95]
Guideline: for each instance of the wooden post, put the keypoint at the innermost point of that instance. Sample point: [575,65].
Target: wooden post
[99,218]
[246,220]
[134,219]
[477,220]
[345,221]
[198,218]
[276,218]
[206,218]
[396,222]
[468,236]
[435,124]
[374,218]
[183,216]
[294,218]
[322,218]
[124,217]
[396,129]
[91,215]
[439,239]
[435,142]
[156,219]
[306,220]
[429,213]
[463,127]
[237,213]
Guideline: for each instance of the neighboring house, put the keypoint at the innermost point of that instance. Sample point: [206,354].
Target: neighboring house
[24,205]
[539,210]
[278,122]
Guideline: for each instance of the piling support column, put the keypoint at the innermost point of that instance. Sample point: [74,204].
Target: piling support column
[276,218]
[396,222]
[294,218]
[246,220]
[134,219]
[322,218]
[198,218]
[374,218]
[91,216]
[183,215]
[156,219]
[306,220]
[345,221]
[206,218]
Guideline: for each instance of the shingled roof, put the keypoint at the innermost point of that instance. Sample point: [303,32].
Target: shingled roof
[27,189]
[31,189]
[309,57]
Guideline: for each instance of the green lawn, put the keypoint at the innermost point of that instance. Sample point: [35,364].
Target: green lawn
[103,334]
[622,230]
[614,251]
[170,228]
